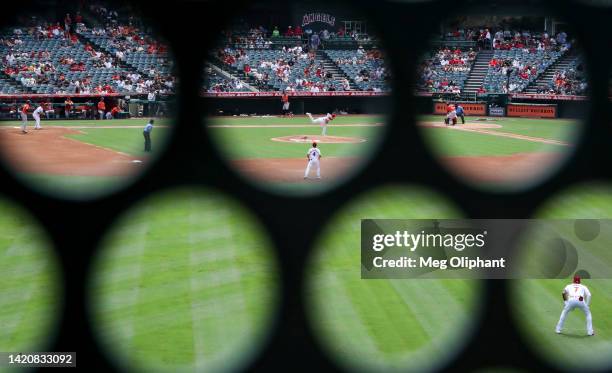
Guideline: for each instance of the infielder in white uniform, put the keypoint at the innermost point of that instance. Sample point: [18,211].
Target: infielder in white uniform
[322,121]
[576,295]
[36,115]
[314,157]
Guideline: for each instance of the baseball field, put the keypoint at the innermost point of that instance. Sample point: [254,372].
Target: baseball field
[186,281]
[500,152]
[272,150]
[386,325]
[538,303]
[30,296]
[78,158]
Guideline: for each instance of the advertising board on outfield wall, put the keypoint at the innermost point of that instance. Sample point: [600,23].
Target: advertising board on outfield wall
[497,111]
[469,109]
[532,110]
[295,94]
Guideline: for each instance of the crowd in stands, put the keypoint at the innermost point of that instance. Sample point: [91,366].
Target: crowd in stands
[446,70]
[296,69]
[288,59]
[519,58]
[219,83]
[532,54]
[571,81]
[50,58]
[261,38]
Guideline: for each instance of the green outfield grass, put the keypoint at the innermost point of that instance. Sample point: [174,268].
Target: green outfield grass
[461,143]
[121,139]
[255,142]
[30,296]
[537,304]
[185,282]
[384,325]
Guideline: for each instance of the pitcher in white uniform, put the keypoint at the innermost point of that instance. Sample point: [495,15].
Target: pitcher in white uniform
[314,158]
[322,121]
[576,295]
[36,115]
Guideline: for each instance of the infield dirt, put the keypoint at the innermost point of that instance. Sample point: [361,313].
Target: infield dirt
[291,170]
[49,151]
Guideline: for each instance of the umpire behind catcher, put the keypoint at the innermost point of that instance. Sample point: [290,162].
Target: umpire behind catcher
[459,110]
[147,135]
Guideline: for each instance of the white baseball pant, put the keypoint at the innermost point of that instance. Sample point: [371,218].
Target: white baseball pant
[313,163]
[36,117]
[570,305]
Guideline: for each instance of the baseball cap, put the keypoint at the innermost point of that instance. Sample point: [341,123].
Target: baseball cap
[576,279]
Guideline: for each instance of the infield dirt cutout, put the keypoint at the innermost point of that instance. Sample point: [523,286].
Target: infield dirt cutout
[514,168]
[49,151]
[301,139]
[291,170]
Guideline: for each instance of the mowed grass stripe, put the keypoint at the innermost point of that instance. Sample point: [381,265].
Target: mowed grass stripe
[342,318]
[29,293]
[467,143]
[385,324]
[538,312]
[554,129]
[193,310]
[249,143]
[463,143]
[125,273]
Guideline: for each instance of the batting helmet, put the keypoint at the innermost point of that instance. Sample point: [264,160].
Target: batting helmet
[576,279]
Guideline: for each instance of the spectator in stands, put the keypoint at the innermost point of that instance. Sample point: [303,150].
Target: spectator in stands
[275,32]
[67,23]
[315,41]
[10,58]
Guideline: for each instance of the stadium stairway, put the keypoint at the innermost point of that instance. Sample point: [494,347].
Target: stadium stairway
[337,74]
[478,72]
[235,73]
[547,76]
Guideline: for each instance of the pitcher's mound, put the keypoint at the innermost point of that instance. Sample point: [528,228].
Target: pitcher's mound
[319,139]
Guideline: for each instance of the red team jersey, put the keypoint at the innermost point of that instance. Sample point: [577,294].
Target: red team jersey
[25,108]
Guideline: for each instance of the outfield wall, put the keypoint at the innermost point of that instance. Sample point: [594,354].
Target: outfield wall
[272,105]
[518,105]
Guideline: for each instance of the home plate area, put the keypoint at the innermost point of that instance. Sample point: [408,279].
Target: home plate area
[302,139]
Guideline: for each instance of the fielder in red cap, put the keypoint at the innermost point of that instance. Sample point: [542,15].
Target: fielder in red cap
[576,295]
